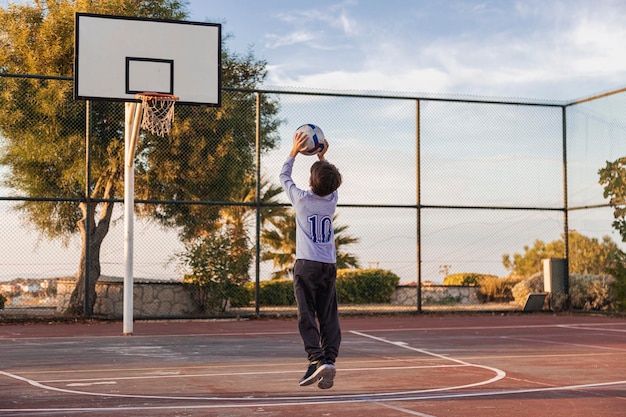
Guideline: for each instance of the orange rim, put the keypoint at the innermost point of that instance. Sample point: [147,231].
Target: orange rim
[157,97]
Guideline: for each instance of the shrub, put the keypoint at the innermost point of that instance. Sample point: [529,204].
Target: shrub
[354,286]
[219,264]
[618,287]
[522,289]
[242,296]
[465,279]
[586,292]
[364,286]
[496,289]
[591,292]
[277,292]
[3,300]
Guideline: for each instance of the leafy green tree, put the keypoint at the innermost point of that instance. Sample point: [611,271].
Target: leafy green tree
[280,243]
[529,262]
[209,154]
[613,178]
[586,255]
[219,264]
[618,271]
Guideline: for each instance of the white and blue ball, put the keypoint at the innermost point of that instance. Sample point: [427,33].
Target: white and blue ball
[315,139]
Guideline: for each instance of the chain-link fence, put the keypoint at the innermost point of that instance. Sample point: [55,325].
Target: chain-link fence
[437,190]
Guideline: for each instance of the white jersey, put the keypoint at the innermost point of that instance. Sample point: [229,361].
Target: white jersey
[315,238]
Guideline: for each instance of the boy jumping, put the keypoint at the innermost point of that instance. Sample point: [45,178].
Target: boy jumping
[315,270]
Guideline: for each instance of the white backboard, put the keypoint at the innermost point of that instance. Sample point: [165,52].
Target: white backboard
[116,57]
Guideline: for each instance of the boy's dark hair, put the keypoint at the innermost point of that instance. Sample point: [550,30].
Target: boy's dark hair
[325,178]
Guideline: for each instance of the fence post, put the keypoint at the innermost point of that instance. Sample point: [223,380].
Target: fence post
[565,203]
[258,205]
[419,208]
[86,309]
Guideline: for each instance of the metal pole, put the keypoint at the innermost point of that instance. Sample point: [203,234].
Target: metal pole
[258,205]
[86,310]
[565,203]
[419,207]
[131,126]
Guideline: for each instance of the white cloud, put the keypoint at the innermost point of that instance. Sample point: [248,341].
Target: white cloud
[424,80]
[275,41]
[549,50]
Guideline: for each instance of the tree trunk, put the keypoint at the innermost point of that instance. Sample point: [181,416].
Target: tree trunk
[83,297]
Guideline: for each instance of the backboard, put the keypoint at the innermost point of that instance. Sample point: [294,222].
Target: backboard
[116,57]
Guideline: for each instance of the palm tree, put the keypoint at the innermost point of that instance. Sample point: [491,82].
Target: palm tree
[282,241]
[281,244]
[342,239]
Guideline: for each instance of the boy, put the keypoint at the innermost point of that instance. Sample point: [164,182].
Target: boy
[315,272]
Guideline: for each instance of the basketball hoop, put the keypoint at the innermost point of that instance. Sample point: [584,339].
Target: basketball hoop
[158,112]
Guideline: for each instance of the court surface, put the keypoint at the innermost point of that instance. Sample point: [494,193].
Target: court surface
[427,366]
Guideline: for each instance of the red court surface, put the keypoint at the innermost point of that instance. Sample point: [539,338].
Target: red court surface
[427,366]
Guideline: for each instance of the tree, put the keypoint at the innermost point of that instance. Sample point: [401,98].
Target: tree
[529,262]
[586,255]
[613,178]
[209,154]
[219,264]
[280,241]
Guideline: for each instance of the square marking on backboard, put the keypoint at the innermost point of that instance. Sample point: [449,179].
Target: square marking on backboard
[149,75]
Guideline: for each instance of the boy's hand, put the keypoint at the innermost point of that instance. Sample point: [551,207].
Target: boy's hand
[299,144]
[320,155]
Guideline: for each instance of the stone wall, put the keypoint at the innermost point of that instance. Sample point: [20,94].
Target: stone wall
[406,295]
[155,299]
[150,298]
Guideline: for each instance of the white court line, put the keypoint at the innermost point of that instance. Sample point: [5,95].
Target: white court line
[15,337]
[499,375]
[403,410]
[552,342]
[313,401]
[435,394]
[595,329]
[294,401]
[74,339]
[202,375]
[502,327]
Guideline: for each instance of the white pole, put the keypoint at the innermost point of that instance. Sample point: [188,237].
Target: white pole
[131,125]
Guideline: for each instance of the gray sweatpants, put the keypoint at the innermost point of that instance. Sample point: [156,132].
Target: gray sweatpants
[316,295]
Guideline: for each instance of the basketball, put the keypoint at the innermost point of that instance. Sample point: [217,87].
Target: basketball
[315,141]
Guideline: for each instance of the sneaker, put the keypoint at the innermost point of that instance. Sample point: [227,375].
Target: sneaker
[328,378]
[318,369]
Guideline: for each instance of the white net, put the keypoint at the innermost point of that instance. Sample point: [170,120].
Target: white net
[158,113]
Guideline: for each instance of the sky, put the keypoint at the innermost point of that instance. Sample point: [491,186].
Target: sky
[537,49]
[530,49]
